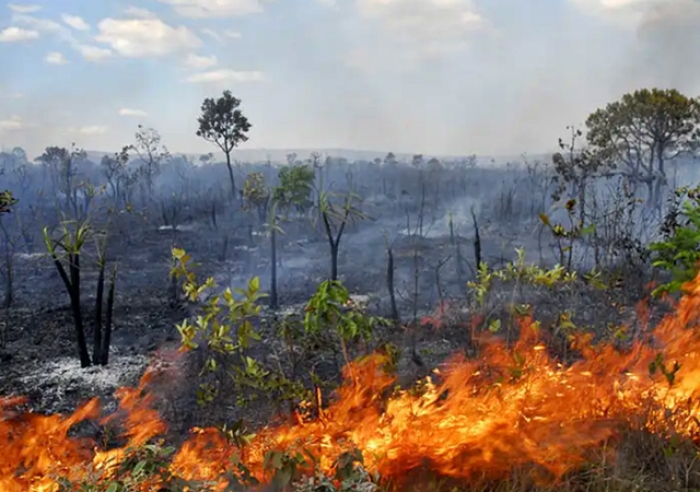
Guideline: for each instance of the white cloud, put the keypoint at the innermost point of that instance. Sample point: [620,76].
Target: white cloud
[132,112]
[76,22]
[626,13]
[92,130]
[200,62]
[228,33]
[139,12]
[15,34]
[212,34]
[200,9]
[138,38]
[23,9]
[93,53]
[56,58]
[425,27]
[39,24]
[11,124]
[223,75]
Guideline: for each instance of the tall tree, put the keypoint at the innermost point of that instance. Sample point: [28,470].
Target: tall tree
[223,123]
[643,131]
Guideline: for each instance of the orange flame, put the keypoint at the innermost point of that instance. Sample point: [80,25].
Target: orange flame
[512,407]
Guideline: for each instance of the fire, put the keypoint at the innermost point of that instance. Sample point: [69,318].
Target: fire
[513,407]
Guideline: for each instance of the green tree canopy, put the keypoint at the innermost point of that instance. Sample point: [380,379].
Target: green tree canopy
[223,123]
[296,186]
[643,130]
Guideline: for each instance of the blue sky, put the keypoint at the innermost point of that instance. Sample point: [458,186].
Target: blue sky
[424,76]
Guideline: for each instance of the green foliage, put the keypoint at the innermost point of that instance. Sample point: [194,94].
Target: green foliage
[519,272]
[222,122]
[143,467]
[7,201]
[679,250]
[565,236]
[225,325]
[256,194]
[331,309]
[295,188]
[644,126]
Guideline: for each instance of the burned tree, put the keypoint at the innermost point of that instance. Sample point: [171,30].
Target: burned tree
[66,250]
[335,218]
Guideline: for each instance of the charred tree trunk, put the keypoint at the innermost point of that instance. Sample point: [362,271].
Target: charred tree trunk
[273,269]
[9,279]
[390,286]
[477,241]
[107,338]
[334,260]
[71,281]
[97,335]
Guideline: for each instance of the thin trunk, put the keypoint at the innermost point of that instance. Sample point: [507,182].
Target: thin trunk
[273,270]
[230,175]
[390,286]
[72,284]
[97,335]
[107,339]
[334,260]
[477,241]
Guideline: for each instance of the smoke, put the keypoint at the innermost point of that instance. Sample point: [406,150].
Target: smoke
[669,36]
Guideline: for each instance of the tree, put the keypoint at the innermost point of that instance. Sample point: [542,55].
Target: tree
[223,124]
[296,187]
[335,218]
[643,131]
[256,194]
[152,155]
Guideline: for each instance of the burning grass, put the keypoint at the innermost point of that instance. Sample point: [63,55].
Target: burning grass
[510,419]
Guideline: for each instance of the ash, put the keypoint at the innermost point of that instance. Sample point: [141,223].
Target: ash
[58,383]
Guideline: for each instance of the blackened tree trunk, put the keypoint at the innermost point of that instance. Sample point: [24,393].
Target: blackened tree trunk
[273,270]
[97,335]
[107,338]
[390,285]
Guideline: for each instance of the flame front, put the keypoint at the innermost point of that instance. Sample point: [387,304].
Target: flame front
[512,407]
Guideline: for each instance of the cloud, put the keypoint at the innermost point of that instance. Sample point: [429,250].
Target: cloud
[132,112]
[140,38]
[56,58]
[200,62]
[76,22]
[37,23]
[23,9]
[13,123]
[624,13]
[228,33]
[93,53]
[15,34]
[201,9]
[424,28]
[92,130]
[223,75]
[139,12]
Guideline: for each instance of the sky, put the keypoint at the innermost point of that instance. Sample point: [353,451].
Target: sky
[438,77]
